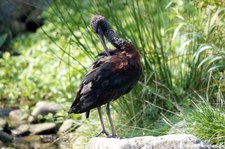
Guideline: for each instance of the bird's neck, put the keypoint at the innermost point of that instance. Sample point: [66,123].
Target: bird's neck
[120,43]
[114,39]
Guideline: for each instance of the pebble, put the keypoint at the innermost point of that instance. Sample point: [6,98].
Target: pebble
[42,128]
[16,115]
[21,130]
[2,124]
[67,124]
[43,107]
[5,138]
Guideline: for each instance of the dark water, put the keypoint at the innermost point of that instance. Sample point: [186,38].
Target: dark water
[33,142]
[5,112]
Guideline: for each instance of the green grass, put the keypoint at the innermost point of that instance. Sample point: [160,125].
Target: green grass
[207,123]
[181,47]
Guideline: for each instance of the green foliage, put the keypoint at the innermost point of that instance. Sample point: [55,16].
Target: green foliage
[3,39]
[207,122]
[37,74]
[206,3]
[57,118]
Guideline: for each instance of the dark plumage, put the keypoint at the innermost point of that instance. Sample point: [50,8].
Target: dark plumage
[113,74]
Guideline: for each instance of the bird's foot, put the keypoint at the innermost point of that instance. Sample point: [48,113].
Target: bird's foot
[115,136]
[104,132]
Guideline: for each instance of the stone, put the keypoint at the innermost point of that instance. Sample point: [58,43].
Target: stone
[32,119]
[42,128]
[16,115]
[43,108]
[21,130]
[175,141]
[67,124]
[5,138]
[2,124]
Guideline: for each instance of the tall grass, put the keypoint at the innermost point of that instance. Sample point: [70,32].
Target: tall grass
[180,51]
[207,122]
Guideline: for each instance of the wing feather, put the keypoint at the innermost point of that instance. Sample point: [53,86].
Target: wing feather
[108,79]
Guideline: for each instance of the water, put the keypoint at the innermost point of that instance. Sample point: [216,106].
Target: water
[33,142]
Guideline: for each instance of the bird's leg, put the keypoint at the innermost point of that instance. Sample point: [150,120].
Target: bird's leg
[110,121]
[102,39]
[103,131]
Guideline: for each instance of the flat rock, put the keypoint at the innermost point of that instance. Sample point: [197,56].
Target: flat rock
[175,141]
[43,108]
[67,124]
[21,130]
[2,124]
[42,128]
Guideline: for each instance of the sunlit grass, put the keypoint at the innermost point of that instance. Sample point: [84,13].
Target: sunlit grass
[207,122]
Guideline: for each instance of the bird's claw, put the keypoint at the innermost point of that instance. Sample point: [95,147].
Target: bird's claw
[115,136]
[106,134]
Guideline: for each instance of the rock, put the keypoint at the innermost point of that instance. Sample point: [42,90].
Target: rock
[67,124]
[175,141]
[5,138]
[31,119]
[42,128]
[2,124]
[17,117]
[43,108]
[21,130]
[48,138]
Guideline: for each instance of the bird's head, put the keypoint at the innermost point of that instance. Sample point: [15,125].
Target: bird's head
[102,28]
[99,24]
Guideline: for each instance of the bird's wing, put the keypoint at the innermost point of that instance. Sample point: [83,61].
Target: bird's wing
[111,52]
[107,80]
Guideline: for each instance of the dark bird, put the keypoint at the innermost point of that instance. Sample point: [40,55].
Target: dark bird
[113,74]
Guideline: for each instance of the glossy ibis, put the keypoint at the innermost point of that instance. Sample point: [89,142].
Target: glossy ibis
[113,74]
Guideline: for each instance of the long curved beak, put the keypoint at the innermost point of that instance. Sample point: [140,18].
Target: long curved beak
[102,40]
